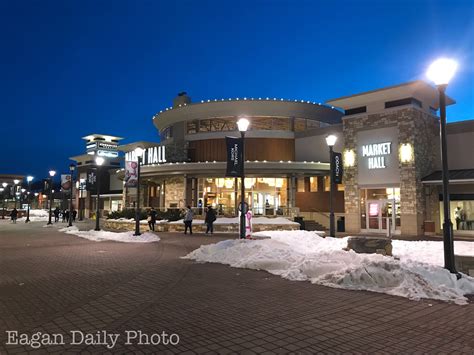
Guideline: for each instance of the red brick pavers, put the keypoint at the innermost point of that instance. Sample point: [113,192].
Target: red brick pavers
[54,283]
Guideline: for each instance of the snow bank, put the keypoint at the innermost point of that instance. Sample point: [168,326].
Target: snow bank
[236,220]
[132,220]
[305,256]
[125,237]
[37,216]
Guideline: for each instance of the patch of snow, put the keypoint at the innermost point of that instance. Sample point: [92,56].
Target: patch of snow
[305,256]
[132,220]
[124,237]
[37,216]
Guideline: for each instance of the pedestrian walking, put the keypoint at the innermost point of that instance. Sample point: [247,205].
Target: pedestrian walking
[66,216]
[188,221]
[63,215]
[209,220]
[56,214]
[152,219]
[14,215]
[74,214]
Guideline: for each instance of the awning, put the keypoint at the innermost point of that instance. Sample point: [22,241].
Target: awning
[464,176]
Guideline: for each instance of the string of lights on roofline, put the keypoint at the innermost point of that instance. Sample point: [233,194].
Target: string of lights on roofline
[246,99]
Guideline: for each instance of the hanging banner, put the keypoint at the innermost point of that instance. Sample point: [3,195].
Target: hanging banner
[91,180]
[131,174]
[66,182]
[337,170]
[235,163]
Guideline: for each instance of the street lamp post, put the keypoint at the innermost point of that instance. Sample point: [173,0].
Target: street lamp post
[138,154]
[440,72]
[28,179]
[331,140]
[243,125]
[98,161]
[72,167]
[4,186]
[15,182]
[36,199]
[51,175]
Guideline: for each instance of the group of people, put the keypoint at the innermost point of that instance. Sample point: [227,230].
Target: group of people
[209,220]
[64,214]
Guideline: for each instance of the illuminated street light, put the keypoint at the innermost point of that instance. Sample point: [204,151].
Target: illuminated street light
[51,175]
[139,154]
[441,72]
[331,140]
[29,179]
[242,124]
[98,161]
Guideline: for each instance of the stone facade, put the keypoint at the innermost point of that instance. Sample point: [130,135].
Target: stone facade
[175,192]
[415,127]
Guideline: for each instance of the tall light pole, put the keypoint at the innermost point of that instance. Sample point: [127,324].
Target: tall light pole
[98,161]
[72,167]
[440,72]
[138,153]
[36,199]
[51,175]
[4,185]
[243,125]
[331,140]
[15,182]
[29,179]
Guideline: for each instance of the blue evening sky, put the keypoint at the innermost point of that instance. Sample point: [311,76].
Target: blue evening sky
[70,68]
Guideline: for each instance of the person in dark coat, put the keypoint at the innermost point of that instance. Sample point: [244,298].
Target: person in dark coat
[56,214]
[74,214]
[66,216]
[14,215]
[209,220]
[152,219]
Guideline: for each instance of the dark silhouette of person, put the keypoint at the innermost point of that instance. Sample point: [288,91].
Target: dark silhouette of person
[152,219]
[209,220]
[14,215]
[188,221]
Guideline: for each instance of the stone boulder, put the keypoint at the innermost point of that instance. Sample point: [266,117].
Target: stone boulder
[370,245]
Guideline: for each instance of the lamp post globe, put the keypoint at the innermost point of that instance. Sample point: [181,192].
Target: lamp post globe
[29,179]
[331,141]
[441,72]
[99,161]
[242,124]
[72,167]
[139,154]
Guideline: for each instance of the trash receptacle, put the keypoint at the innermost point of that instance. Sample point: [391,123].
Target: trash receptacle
[341,224]
[300,220]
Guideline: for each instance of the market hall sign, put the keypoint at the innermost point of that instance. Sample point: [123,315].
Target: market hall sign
[376,154]
[151,155]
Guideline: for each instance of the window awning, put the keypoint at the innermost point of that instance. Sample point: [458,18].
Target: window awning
[464,176]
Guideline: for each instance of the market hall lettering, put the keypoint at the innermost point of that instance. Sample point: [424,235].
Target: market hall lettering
[376,154]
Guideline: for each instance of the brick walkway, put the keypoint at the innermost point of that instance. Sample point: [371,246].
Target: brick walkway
[55,283]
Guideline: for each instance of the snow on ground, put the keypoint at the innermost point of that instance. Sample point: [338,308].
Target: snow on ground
[36,216]
[236,220]
[132,220]
[305,256]
[125,237]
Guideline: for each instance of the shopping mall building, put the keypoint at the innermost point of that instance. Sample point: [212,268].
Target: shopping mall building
[389,139]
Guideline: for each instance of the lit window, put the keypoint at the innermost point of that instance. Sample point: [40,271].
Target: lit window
[313,184]
[300,185]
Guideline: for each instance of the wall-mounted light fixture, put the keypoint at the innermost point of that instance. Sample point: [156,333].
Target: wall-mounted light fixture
[349,158]
[406,153]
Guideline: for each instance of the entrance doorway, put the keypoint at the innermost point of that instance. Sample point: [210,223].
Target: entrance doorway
[381,210]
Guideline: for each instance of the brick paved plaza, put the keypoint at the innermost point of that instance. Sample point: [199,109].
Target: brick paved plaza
[55,283]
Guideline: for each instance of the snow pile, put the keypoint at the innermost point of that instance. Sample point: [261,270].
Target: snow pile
[37,216]
[305,256]
[125,237]
[236,220]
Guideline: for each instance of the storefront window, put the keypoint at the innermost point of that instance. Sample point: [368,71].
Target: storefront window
[300,185]
[313,184]
[380,207]
[462,214]
[266,196]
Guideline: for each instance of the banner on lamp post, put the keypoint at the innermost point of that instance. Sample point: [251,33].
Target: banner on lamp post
[91,180]
[66,182]
[235,163]
[131,174]
[337,170]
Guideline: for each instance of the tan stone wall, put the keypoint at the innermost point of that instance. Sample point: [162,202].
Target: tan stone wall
[174,193]
[421,131]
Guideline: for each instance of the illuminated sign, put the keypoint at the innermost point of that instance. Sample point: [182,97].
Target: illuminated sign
[373,209]
[107,153]
[376,154]
[152,155]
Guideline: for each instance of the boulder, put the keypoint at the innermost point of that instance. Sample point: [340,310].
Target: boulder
[370,245]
